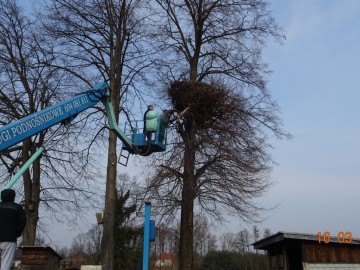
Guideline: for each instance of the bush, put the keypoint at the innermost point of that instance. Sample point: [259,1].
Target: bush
[230,260]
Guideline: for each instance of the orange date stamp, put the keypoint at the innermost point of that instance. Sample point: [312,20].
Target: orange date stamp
[342,237]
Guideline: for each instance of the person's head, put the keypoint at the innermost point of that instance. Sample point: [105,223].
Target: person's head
[150,107]
[8,195]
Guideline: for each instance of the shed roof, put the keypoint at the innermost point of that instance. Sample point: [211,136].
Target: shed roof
[282,236]
[165,256]
[39,248]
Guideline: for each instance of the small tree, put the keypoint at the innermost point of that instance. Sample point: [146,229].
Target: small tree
[203,238]
[227,240]
[256,233]
[242,241]
[85,248]
[127,237]
[267,232]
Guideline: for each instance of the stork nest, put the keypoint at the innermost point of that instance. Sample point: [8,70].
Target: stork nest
[205,101]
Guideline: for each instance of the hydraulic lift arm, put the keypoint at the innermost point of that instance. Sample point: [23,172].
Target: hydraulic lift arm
[61,113]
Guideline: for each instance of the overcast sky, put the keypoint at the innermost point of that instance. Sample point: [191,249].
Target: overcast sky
[316,81]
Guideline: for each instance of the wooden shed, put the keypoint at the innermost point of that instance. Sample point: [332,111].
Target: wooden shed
[297,251]
[39,258]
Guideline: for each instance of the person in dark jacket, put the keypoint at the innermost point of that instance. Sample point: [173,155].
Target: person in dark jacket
[12,224]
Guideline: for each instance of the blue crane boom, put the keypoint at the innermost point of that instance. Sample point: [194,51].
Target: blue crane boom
[65,112]
[26,127]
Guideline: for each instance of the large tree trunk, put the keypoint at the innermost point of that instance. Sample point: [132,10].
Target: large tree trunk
[32,197]
[107,241]
[186,259]
[186,244]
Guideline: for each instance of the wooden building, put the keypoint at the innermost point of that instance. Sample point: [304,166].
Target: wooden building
[39,258]
[296,251]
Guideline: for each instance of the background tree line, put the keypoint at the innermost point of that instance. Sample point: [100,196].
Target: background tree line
[226,251]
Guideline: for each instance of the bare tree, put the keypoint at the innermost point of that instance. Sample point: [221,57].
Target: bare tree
[227,241]
[211,243]
[102,40]
[79,244]
[256,233]
[242,241]
[29,82]
[87,245]
[223,158]
[94,242]
[267,233]
[204,240]
[167,239]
